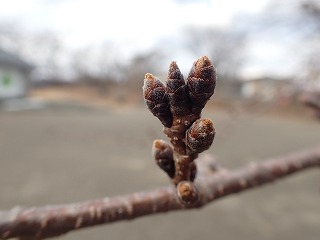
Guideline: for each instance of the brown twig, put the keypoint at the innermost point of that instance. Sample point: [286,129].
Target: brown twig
[212,183]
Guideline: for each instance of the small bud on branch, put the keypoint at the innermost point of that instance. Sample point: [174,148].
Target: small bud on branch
[163,154]
[155,96]
[177,91]
[200,135]
[201,83]
[187,193]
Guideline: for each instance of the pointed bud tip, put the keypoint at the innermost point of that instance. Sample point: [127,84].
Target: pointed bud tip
[160,144]
[149,76]
[173,66]
[174,72]
[203,62]
[207,124]
[157,143]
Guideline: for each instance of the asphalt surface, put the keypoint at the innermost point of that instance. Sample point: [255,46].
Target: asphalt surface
[66,154]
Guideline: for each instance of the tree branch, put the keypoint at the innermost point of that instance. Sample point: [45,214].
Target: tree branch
[212,183]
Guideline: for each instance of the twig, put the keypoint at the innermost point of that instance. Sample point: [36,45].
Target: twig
[212,183]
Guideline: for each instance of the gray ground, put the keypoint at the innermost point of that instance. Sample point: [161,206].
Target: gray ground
[62,155]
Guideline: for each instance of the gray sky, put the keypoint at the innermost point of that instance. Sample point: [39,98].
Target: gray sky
[140,22]
[135,26]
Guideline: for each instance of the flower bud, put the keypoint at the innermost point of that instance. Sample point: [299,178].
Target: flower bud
[200,135]
[163,154]
[155,96]
[177,91]
[187,193]
[201,83]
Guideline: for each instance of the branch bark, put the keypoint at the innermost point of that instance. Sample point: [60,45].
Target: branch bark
[212,183]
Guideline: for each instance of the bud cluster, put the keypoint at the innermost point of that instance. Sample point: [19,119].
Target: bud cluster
[180,98]
[178,105]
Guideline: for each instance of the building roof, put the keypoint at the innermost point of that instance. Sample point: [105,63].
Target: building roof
[12,60]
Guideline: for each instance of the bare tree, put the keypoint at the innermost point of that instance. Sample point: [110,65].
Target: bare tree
[139,65]
[44,49]
[97,63]
[310,10]
[13,37]
[47,51]
[226,46]
[293,24]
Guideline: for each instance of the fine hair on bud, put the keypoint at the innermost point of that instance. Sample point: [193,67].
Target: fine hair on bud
[155,97]
[201,83]
[200,135]
[187,193]
[163,155]
[177,91]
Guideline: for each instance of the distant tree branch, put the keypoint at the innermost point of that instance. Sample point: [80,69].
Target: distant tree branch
[312,100]
[212,182]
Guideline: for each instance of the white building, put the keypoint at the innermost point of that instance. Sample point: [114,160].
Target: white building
[14,76]
[267,89]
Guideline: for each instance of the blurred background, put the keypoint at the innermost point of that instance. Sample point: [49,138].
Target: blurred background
[73,125]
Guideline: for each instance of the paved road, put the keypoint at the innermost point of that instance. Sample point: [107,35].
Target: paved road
[62,155]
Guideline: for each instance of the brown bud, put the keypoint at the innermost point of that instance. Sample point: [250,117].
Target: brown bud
[187,193]
[155,96]
[200,135]
[163,154]
[177,91]
[201,83]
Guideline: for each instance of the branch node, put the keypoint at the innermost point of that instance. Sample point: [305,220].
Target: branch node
[187,194]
